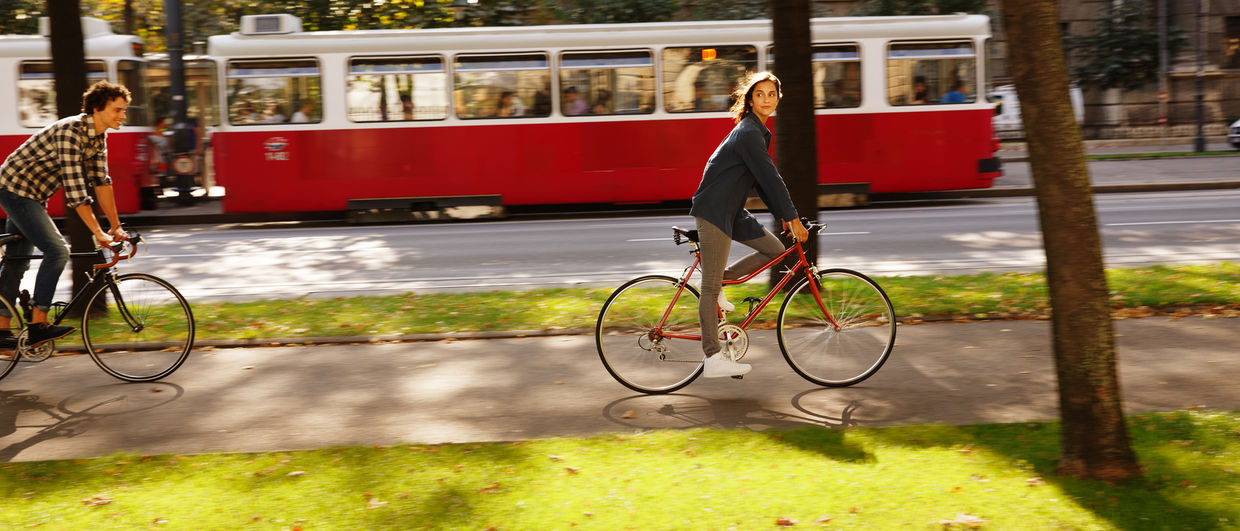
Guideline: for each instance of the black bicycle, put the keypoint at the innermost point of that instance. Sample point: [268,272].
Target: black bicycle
[136,327]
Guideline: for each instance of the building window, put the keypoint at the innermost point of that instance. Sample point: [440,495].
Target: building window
[397,88]
[1231,43]
[702,78]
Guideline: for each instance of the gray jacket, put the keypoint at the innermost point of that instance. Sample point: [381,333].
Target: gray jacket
[741,162]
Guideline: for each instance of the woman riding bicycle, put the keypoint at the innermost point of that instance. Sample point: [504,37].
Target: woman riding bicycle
[740,163]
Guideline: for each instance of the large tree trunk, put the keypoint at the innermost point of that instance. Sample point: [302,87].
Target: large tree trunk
[69,69]
[795,139]
[1094,440]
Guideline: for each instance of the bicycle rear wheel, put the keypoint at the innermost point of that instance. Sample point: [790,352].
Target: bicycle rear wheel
[633,348]
[854,347]
[145,331]
[9,353]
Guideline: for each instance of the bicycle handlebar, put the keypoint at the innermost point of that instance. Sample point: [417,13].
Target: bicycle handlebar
[812,226]
[118,250]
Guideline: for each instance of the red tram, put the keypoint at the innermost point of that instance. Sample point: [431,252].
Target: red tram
[624,113]
[109,56]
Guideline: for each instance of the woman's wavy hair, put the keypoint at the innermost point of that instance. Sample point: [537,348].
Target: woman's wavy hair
[742,98]
[96,97]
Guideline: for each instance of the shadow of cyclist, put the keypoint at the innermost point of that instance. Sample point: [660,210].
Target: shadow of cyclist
[75,414]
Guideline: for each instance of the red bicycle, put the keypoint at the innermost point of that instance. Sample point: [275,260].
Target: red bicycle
[836,326]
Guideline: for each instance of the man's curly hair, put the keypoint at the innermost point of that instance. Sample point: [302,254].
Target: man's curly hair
[96,97]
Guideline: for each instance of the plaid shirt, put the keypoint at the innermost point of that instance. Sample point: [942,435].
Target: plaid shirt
[67,153]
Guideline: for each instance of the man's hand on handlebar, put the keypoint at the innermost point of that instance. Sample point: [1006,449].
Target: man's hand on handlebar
[798,230]
[118,234]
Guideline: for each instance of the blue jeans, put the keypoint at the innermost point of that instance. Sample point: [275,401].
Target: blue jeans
[29,218]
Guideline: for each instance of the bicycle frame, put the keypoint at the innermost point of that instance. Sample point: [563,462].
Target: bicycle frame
[100,275]
[801,265]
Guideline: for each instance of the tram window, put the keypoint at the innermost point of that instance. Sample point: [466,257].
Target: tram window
[702,78]
[931,72]
[200,87]
[269,91]
[837,75]
[607,82]
[397,88]
[37,89]
[501,86]
[131,74]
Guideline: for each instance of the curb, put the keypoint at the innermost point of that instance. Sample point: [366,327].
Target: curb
[1030,191]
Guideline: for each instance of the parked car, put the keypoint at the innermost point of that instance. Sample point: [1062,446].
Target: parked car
[1233,134]
[1007,119]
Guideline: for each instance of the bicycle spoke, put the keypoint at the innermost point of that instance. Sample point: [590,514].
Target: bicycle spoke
[630,335]
[848,351]
[144,332]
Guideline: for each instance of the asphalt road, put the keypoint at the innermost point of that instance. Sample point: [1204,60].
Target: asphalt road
[945,237]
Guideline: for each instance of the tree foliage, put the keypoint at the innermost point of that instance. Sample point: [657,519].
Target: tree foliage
[918,7]
[1122,52]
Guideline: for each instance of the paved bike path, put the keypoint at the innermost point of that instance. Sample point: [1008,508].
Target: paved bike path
[285,398]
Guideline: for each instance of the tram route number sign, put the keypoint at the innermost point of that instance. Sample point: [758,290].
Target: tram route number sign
[277,148]
[184,164]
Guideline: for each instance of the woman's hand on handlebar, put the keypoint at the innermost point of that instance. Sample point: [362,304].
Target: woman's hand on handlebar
[799,233]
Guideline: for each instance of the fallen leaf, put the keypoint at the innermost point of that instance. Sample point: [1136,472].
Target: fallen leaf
[630,414]
[785,521]
[572,469]
[489,488]
[97,500]
[824,519]
[1035,482]
[296,473]
[555,458]
[374,503]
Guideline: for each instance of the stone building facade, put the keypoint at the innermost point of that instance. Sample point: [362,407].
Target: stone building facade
[1117,113]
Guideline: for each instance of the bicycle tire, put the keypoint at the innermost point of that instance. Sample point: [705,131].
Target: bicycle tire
[623,335]
[831,356]
[146,337]
[9,353]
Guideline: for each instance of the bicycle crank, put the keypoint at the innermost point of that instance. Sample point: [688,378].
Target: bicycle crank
[38,353]
[735,341]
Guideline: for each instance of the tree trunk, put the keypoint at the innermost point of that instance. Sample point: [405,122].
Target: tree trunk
[795,138]
[69,69]
[1094,441]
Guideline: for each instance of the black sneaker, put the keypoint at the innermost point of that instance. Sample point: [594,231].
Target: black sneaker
[40,333]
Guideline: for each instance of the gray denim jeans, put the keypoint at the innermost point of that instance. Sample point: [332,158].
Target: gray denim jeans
[715,244]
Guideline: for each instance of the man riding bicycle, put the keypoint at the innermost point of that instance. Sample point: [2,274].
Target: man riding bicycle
[70,153]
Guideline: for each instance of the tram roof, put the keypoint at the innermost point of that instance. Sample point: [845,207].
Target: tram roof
[40,47]
[586,36]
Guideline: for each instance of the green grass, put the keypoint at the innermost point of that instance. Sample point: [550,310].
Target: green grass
[875,478]
[987,295]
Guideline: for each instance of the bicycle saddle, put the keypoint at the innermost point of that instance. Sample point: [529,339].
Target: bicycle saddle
[690,235]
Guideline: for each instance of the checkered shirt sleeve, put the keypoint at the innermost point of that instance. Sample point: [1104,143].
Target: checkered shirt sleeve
[62,154]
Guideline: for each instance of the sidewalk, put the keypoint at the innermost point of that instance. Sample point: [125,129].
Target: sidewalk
[286,398]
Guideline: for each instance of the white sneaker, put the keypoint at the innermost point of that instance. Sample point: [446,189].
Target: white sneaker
[719,366]
[724,304]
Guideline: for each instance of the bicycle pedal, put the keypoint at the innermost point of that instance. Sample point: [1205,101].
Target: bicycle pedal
[738,377]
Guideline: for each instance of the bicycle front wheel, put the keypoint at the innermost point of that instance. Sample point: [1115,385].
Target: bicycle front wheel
[139,329]
[9,351]
[849,342]
[633,338]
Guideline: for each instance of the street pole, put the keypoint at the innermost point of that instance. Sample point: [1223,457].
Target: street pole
[1163,95]
[176,79]
[1199,143]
